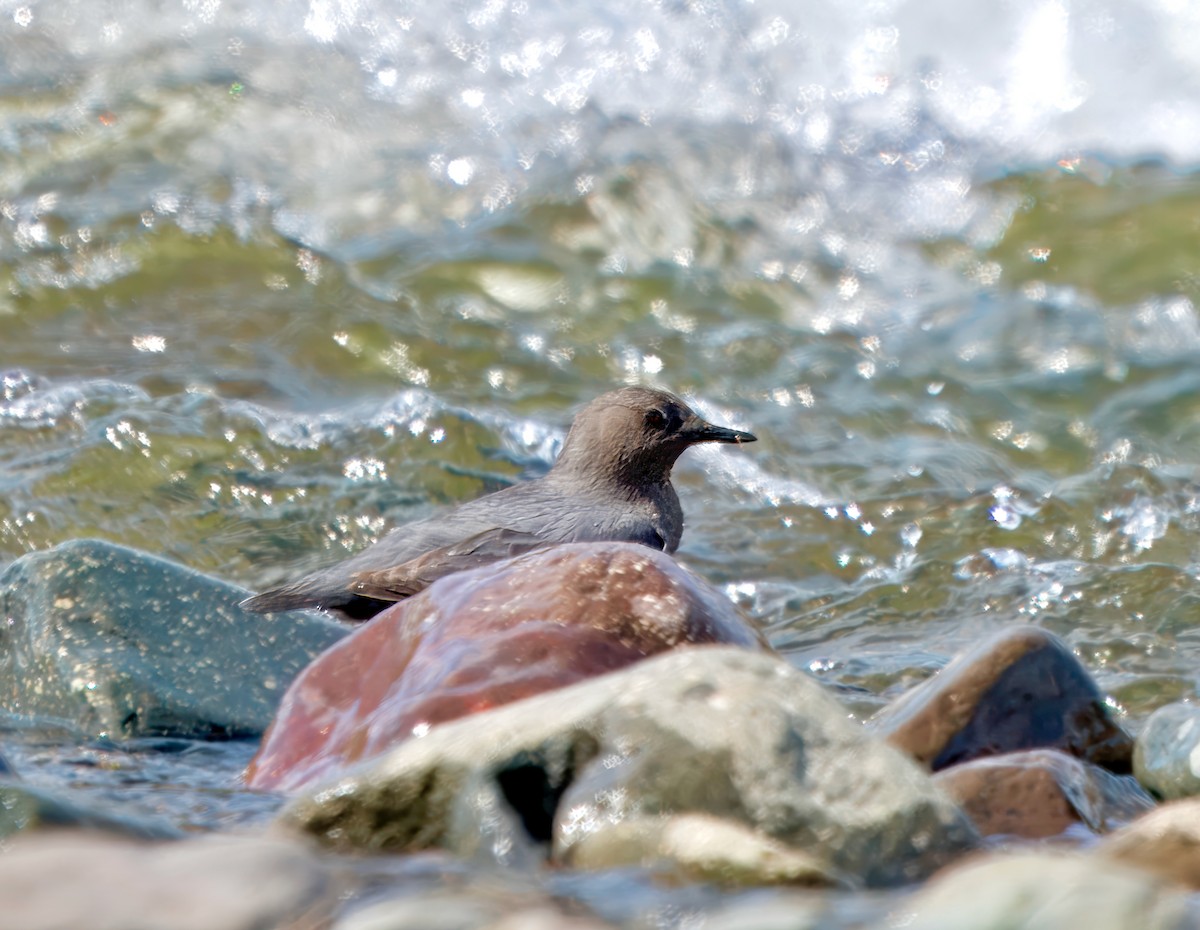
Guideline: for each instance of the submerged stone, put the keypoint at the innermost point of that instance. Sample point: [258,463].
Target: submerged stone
[114,642]
[1020,689]
[1166,756]
[1040,793]
[24,808]
[483,638]
[729,733]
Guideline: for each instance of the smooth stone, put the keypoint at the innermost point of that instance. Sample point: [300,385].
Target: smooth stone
[1166,755]
[52,881]
[1021,689]
[479,639]
[1042,891]
[118,643]
[24,808]
[1165,841]
[1040,793]
[726,732]
[698,848]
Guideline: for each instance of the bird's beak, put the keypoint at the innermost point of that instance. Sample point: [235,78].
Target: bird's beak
[697,430]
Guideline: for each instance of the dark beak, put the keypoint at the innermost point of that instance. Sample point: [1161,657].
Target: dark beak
[697,430]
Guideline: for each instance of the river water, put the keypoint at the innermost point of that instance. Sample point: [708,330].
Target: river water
[275,277]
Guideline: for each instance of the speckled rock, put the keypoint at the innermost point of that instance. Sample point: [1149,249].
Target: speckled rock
[1165,841]
[25,808]
[479,639]
[53,881]
[1043,891]
[119,643]
[1021,689]
[1166,757]
[1041,792]
[725,732]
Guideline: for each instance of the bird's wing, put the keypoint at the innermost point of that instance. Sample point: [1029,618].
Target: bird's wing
[407,578]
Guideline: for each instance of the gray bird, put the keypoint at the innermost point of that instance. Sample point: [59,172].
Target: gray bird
[612,481]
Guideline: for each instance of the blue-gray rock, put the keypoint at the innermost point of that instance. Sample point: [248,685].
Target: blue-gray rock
[1166,754]
[115,642]
[710,730]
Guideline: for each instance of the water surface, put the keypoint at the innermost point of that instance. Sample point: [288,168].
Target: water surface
[277,277]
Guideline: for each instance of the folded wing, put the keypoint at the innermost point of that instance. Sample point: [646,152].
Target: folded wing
[406,579]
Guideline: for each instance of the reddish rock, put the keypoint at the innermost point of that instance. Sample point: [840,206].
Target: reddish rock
[483,638]
[1040,793]
[1021,689]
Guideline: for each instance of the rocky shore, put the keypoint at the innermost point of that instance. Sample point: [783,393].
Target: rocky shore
[490,752]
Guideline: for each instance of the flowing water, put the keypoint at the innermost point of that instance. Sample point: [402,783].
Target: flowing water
[275,277]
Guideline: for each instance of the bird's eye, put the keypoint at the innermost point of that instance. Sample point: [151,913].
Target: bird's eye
[655,419]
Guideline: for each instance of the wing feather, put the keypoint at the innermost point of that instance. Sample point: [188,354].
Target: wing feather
[407,578]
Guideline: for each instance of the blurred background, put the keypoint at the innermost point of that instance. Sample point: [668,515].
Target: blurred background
[275,277]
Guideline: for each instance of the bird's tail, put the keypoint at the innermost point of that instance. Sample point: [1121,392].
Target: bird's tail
[281,599]
[348,605]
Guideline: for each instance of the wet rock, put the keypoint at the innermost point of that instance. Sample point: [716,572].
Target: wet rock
[725,732]
[474,907]
[1043,891]
[24,808]
[798,910]
[1165,841]
[482,638]
[698,848]
[119,643]
[1040,793]
[1021,689]
[1166,756]
[546,917]
[217,883]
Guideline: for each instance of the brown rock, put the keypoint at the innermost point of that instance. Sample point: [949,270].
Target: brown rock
[1165,841]
[1040,793]
[479,639]
[1021,689]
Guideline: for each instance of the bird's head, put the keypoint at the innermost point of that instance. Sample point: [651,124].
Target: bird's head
[634,435]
